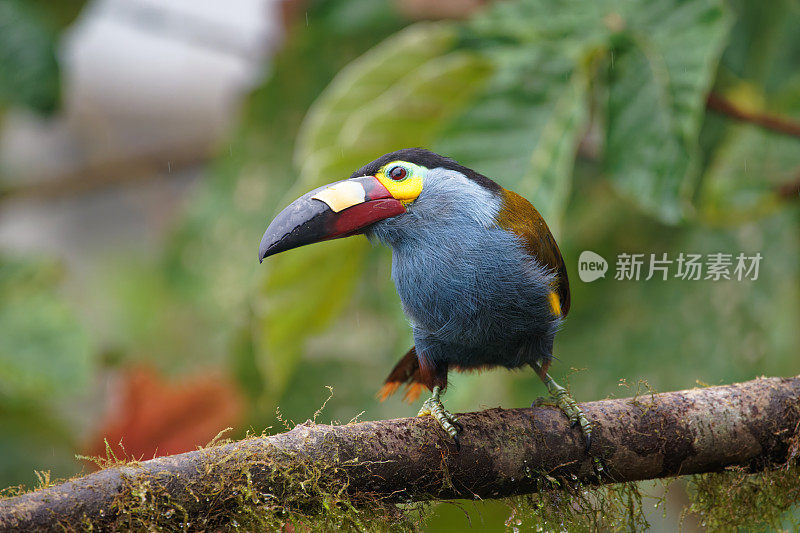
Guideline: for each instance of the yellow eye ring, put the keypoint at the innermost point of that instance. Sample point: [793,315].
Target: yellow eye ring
[402,179]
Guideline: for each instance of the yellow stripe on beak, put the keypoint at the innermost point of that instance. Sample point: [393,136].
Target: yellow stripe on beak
[342,195]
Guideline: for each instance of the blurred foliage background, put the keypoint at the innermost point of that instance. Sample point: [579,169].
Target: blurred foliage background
[596,111]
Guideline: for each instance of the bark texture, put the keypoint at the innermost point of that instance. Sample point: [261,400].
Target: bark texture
[504,452]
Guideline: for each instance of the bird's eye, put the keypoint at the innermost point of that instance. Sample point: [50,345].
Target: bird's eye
[398,173]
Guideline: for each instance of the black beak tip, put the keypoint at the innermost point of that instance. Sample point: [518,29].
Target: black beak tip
[264,252]
[271,245]
[264,249]
[303,222]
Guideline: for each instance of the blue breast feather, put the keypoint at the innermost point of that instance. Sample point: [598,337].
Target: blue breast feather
[473,295]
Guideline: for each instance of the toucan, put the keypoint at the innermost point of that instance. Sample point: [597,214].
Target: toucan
[480,276]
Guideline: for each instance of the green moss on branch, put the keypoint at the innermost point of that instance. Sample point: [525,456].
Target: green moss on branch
[366,475]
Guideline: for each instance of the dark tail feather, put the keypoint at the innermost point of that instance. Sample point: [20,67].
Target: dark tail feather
[407,372]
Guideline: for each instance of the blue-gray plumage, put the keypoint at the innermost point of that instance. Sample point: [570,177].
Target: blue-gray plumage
[480,276]
[473,294]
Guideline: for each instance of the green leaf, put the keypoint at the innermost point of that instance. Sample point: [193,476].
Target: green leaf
[394,96]
[747,163]
[412,111]
[645,157]
[31,438]
[549,177]
[660,70]
[362,81]
[304,291]
[745,172]
[524,131]
[677,331]
[766,42]
[398,94]
[30,74]
[43,349]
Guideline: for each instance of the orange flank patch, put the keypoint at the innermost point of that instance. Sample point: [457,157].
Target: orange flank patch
[555,304]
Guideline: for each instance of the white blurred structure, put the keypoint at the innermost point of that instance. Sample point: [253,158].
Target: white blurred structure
[143,80]
[142,73]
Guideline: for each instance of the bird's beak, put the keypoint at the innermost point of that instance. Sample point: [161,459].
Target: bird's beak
[336,210]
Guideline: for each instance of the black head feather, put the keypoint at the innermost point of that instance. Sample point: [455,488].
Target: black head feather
[427,159]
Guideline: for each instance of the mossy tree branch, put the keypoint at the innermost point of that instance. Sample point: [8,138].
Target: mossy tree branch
[504,452]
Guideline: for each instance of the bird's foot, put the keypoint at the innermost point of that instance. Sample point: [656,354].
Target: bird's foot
[433,407]
[565,402]
[576,417]
[541,400]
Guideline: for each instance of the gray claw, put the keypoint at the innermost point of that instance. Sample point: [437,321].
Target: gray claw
[570,408]
[446,420]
